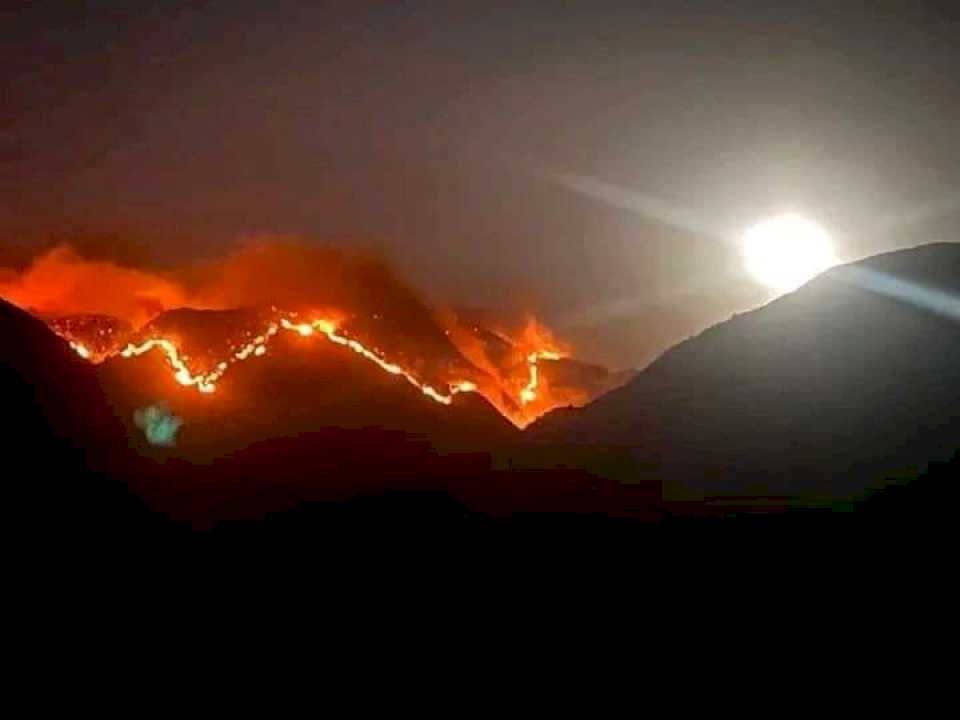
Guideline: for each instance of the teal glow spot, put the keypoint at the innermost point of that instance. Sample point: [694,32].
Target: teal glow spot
[158,424]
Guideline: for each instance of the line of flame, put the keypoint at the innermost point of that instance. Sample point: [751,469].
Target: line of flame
[81,349]
[206,382]
[529,392]
[328,329]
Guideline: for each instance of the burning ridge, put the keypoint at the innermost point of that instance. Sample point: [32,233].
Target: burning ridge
[324,294]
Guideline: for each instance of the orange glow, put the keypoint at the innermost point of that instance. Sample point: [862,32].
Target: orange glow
[527,398]
[529,392]
[97,306]
[518,388]
[80,349]
[328,328]
[205,383]
[513,362]
[61,282]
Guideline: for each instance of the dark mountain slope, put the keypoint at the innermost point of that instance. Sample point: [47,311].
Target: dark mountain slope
[321,425]
[817,396]
[60,443]
[300,385]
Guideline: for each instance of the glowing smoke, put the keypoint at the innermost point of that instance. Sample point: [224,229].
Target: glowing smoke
[60,282]
[261,271]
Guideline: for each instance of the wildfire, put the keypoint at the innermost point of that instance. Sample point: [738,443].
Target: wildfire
[97,306]
[206,382]
[529,392]
[81,349]
[328,328]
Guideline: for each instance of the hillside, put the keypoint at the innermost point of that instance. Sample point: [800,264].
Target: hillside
[298,386]
[817,397]
[63,449]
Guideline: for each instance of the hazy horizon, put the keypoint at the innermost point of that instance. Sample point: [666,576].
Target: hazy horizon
[594,163]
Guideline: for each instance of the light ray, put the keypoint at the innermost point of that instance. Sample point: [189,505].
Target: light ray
[931,300]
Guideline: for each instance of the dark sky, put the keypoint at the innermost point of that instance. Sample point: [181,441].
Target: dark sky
[437,132]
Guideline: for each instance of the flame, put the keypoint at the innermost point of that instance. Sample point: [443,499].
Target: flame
[97,304]
[513,359]
[529,392]
[527,399]
[206,382]
[328,328]
[81,349]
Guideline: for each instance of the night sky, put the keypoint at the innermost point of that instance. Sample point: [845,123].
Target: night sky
[594,161]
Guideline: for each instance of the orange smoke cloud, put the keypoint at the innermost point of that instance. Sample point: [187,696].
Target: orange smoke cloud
[285,271]
[60,282]
[263,271]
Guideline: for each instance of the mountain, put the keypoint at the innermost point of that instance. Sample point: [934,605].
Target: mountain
[299,385]
[820,396]
[313,424]
[62,450]
[817,397]
[51,395]
[94,336]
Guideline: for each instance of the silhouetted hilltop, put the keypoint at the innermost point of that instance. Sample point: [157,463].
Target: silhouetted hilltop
[47,381]
[817,396]
[61,443]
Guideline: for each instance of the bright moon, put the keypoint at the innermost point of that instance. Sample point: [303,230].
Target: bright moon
[786,251]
